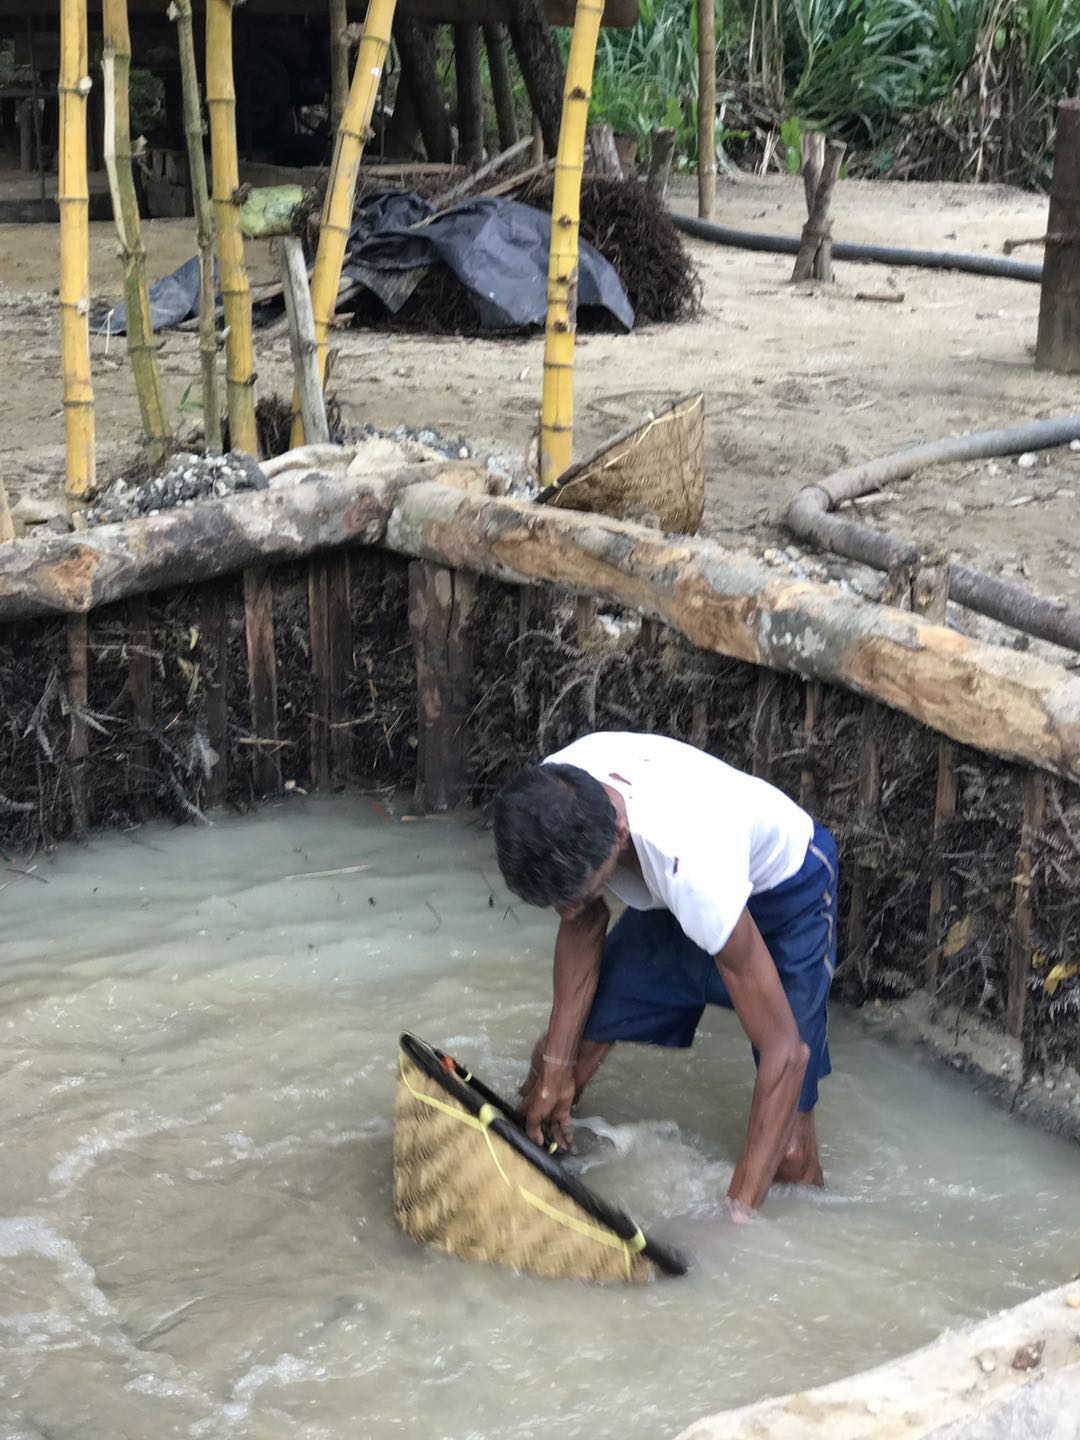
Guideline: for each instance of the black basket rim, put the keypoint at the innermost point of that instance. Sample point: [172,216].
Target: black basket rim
[473,1095]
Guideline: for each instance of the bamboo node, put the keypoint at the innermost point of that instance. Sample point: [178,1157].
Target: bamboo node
[241,195]
[577,93]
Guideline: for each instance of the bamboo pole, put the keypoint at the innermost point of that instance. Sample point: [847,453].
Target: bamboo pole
[339,61]
[336,221]
[116,71]
[706,53]
[180,12]
[235,294]
[557,410]
[73,195]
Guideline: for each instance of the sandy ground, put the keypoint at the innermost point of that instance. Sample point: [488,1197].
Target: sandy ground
[797,381]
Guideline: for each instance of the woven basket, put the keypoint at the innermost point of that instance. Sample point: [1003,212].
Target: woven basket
[653,473]
[468,1180]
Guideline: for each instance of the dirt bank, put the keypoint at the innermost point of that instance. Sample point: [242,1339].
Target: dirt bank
[797,382]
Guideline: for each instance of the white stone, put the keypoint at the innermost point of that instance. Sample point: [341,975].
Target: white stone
[1028,461]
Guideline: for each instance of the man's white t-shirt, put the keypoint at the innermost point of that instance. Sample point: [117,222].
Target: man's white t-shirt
[707,836]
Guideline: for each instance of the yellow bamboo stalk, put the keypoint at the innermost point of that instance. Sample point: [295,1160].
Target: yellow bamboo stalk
[337,213]
[180,11]
[235,292]
[557,409]
[116,71]
[73,196]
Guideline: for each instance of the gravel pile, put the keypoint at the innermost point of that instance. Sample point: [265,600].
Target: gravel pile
[188,479]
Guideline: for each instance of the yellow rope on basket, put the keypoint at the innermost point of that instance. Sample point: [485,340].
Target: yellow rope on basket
[482,1122]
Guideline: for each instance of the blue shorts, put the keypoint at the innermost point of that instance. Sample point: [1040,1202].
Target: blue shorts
[655,982]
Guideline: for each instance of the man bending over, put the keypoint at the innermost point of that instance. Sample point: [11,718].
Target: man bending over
[730,891]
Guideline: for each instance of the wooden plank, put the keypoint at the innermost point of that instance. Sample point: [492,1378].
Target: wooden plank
[262,680]
[140,685]
[214,660]
[1034,810]
[440,604]
[77,682]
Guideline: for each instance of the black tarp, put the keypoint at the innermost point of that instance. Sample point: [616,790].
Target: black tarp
[497,249]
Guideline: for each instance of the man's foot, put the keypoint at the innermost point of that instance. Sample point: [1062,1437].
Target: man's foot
[801,1164]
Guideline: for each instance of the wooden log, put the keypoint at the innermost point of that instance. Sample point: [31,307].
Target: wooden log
[541,67]
[1057,346]
[603,156]
[214,661]
[811,715]
[706,56]
[997,699]
[502,86]
[302,343]
[818,227]
[930,596]
[416,47]
[140,687]
[470,95]
[440,605]
[262,680]
[663,152]
[77,683]
[1020,938]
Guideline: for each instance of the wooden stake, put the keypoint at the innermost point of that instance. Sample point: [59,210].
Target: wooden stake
[706,53]
[235,292]
[330,625]
[1058,344]
[78,747]
[7,525]
[180,12]
[699,724]
[262,679]
[536,155]
[73,195]
[815,695]
[1034,784]
[930,597]
[470,95]
[302,343]
[817,229]
[502,86]
[868,795]
[214,661]
[663,152]
[339,61]
[603,156]
[440,605]
[766,711]
[116,71]
[140,691]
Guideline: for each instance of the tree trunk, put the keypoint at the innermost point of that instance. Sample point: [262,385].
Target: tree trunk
[339,61]
[470,97]
[1058,344]
[415,43]
[818,228]
[541,66]
[603,156]
[706,51]
[502,86]
[663,152]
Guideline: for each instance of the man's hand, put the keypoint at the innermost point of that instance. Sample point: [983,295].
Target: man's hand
[549,1096]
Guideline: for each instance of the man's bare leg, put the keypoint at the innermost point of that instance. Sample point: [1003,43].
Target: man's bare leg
[801,1164]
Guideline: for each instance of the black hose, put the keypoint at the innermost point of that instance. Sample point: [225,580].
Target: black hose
[994,265]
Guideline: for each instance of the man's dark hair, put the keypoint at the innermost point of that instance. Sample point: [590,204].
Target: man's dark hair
[554,826]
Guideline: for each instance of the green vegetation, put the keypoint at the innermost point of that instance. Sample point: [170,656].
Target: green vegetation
[939,89]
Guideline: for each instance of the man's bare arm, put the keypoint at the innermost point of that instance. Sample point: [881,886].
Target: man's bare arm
[579,946]
[756,993]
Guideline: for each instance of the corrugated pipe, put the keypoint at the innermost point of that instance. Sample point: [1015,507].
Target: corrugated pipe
[810,517]
[995,265]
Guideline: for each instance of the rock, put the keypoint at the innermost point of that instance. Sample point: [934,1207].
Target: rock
[953,509]
[463,453]
[987,1363]
[1028,461]
[39,509]
[1028,1357]
[1074,444]
[1073,1301]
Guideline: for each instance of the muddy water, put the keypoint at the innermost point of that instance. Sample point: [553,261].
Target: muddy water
[195,1220]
